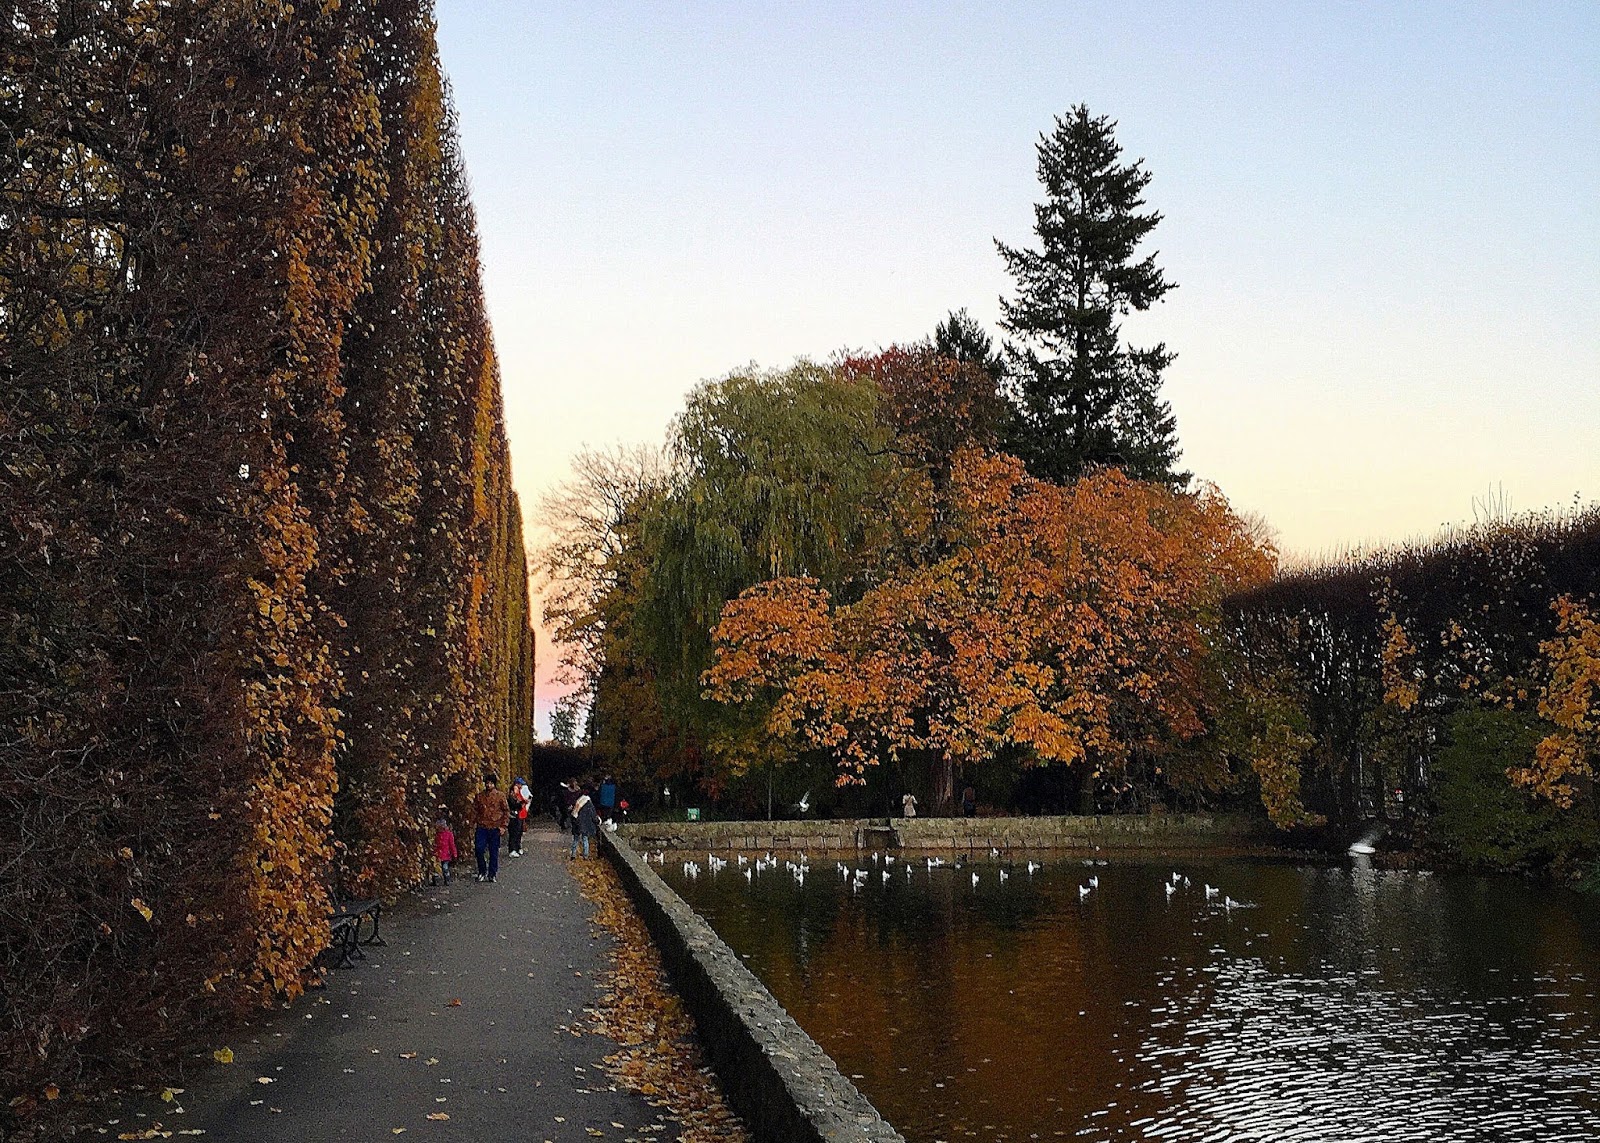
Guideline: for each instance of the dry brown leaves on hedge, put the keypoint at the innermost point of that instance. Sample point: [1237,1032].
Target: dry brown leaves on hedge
[659,1056]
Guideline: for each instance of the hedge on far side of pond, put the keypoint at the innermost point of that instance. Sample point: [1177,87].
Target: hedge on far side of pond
[1451,685]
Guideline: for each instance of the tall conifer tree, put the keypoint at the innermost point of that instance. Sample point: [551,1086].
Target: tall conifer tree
[1084,398]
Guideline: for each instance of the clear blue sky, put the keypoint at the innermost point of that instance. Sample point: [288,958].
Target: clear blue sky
[1384,220]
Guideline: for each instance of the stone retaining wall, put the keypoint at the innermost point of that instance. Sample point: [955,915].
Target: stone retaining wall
[785,1087]
[1118,831]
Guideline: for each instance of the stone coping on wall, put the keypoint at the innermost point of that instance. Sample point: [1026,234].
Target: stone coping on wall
[777,1078]
[1111,831]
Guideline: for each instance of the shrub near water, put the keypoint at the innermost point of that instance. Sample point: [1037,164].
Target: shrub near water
[1482,820]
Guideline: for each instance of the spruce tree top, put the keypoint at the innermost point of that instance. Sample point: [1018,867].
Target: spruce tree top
[1083,398]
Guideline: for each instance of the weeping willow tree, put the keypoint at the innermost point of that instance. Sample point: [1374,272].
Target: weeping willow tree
[773,473]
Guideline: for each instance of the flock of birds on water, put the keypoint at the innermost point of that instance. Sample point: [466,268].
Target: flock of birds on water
[884,865]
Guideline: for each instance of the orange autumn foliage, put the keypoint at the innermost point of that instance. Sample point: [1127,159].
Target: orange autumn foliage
[1571,700]
[1069,622]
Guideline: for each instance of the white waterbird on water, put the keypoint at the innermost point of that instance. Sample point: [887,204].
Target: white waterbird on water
[1210,892]
[1171,889]
[1094,882]
[1033,866]
[1002,875]
[1084,891]
[974,880]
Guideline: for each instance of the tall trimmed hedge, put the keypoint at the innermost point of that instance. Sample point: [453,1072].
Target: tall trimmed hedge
[263,602]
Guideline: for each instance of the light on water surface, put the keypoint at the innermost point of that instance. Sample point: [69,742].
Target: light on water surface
[1296,1003]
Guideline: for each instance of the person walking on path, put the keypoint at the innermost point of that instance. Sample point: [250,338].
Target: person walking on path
[909,804]
[608,798]
[444,847]
[490,814]
[521,799]
[585,824]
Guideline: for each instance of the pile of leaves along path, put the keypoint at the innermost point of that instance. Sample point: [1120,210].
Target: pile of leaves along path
[660,1057]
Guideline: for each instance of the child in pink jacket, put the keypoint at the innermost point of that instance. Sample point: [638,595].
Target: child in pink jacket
[444,847]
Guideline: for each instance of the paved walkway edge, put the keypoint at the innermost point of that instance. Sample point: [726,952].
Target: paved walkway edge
[777,1078]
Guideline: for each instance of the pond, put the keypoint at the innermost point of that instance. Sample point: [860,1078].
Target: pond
[1248,999]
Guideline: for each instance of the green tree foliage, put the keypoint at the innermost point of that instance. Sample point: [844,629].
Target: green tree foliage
[1083,397]
[1484,822]
[261,577]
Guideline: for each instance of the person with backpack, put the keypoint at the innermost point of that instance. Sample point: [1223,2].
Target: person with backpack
[521,799]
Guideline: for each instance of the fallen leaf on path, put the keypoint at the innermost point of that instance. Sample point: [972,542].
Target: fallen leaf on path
[223,1055]
[456,1003]
[408,1055]
[439,1115]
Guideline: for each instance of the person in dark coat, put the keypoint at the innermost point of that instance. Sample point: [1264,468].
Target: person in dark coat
[521,799]
[586,824]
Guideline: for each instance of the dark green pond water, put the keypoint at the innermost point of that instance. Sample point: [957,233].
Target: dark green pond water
[1328,1004]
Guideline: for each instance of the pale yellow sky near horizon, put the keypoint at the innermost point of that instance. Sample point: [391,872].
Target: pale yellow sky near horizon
[1384,222]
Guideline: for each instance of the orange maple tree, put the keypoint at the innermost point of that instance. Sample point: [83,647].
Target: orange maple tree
[1067,622]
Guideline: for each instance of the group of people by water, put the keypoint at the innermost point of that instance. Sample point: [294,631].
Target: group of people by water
[496,814]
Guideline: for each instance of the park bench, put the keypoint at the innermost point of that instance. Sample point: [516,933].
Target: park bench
[345,922]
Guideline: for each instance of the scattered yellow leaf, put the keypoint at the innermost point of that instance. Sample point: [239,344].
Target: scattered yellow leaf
[439,1115]
[51,1091]
[223,1055]
[141,908]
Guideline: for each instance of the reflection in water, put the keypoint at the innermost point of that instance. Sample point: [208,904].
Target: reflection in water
[1335,1004]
